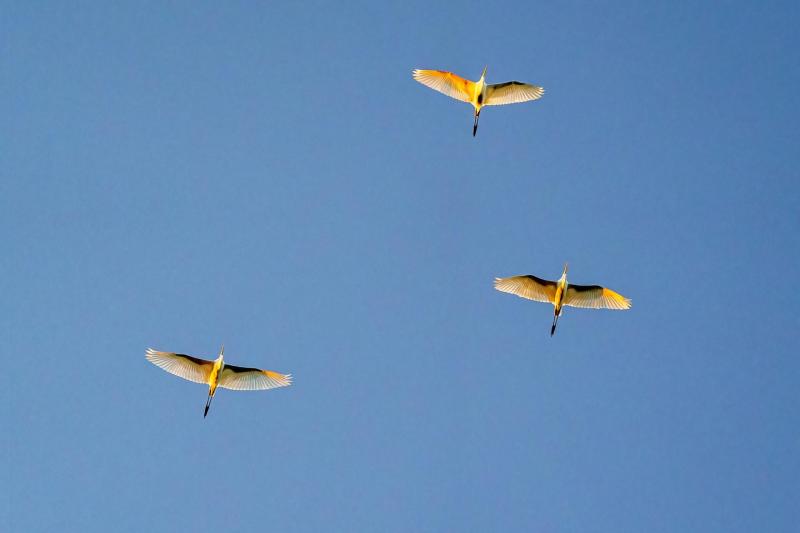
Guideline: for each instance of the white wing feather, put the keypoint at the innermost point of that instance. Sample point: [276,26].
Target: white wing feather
[530,287]
[447,83]
[239,378]
[183,366]
[595,297]
[512,92]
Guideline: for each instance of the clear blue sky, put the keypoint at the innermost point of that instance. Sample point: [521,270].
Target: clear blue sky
[270,177]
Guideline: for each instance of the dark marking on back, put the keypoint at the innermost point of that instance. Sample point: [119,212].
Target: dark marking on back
[239,369]
[585,288]
[506,84]
[195,360]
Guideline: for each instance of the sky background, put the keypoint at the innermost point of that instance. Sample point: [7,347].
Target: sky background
[270,177]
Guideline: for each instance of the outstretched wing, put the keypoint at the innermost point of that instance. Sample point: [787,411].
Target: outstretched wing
[183,366]
[530,287]
[240,378]
[512,92]
[595,297]
[446,83]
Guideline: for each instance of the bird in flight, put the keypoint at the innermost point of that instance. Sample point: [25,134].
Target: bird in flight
[560,293]
[478,93]
[217,373]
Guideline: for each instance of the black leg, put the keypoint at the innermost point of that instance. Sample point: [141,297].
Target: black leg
[208,404]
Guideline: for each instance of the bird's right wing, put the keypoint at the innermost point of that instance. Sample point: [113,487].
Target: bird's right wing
[183,366]
[446,83]
[530,287]
[595,297]
[512,92]
[241,378]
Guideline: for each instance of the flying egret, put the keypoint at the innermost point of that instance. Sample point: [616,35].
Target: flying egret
[560,293]
[217,373]
[478,93]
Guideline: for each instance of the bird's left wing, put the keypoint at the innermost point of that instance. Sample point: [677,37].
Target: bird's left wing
[595,297]
[530,287]
[181,365]
[446,83]
[512,92]
[241,378]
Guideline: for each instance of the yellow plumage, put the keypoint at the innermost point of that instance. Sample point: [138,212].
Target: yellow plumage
[217,373]
[477,93]
[560,293]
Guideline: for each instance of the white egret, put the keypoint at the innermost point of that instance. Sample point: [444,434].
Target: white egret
[478,93]
[560,293]
[217,373]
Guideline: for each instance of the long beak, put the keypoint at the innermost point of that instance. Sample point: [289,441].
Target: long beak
[475,127]
[553,327]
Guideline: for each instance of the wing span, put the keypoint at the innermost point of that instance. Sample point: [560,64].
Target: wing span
[181,365]
[512,92]
[241,378]
[530,287]
[446,83]
[595,297]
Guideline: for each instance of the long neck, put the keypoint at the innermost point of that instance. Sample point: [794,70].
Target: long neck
[560,290]
[218,365]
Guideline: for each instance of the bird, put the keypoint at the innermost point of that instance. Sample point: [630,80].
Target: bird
[478,93]
[216,373]
[561,293]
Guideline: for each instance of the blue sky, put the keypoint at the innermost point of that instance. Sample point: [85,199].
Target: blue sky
[270,177]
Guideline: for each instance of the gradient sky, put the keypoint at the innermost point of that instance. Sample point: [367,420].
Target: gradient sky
[270,177]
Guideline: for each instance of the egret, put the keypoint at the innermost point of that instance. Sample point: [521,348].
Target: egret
[217,373]
[478,93]
[560,293]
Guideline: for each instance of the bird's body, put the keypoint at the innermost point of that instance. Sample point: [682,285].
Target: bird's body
[561,293]
[477,93]
[213,379]
[217,373]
